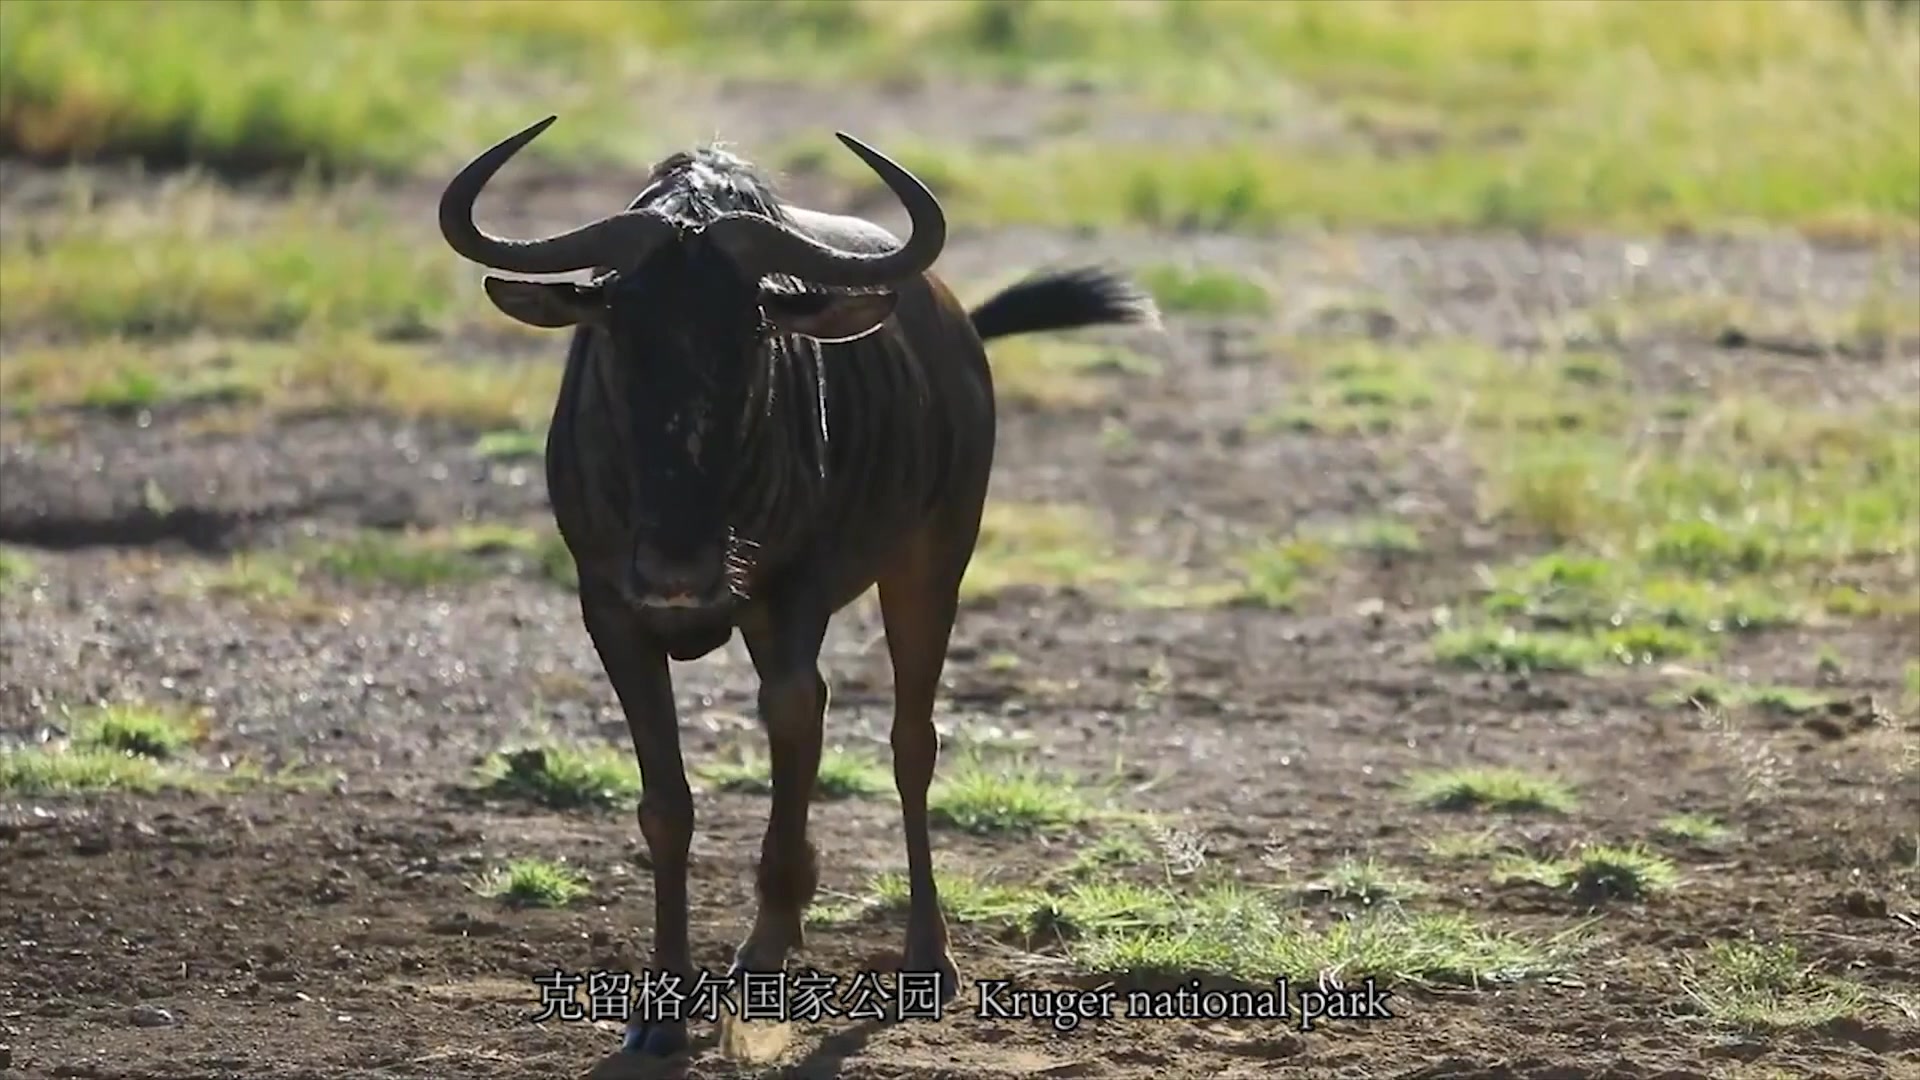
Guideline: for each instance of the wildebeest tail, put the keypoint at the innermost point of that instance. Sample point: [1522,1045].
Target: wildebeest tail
[1064,300]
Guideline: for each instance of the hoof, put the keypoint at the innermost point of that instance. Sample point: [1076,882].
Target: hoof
[756,1043]
[743,964]
[917,960]
[654,1040]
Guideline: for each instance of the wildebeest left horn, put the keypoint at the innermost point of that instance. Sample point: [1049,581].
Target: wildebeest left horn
[820,253]
[622,239]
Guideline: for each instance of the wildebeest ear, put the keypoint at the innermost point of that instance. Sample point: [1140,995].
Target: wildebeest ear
[828,317]
[546,304]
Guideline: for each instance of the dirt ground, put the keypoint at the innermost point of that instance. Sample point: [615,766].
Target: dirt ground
[331,932]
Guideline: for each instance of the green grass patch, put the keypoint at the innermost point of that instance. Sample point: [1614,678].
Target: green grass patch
[1004,798]
[1077,908]
[1137,931]
[1875,326]
[1276,575]
[1364,882]
[1715,517]
[1598,872]
[1498,789]
[1061,373]
[1503,648]
[1631,114]
[835,913]
[562,777]
[1146,933]
[133,749]
[1529,183]
[1463,846]
[1727,503]
[1113,851]
[397,559]
[1049,545]
[963,899]
[405,560]
[1567,589]
[1692,829]
[194,265]
[533,883]
[120,376]
[1711,692]
[1204,291]
[267,584]
[124,391]
[348,373]
[1353,392]
[511,444]
[1751,985]
[43,770]
[843,774]
[1089,908]
[140,730]
[1281,574]
[338,85]
[1507,649]
[17,570]
[1748,491]
[1228,930]
[1382,536]
[539,552]
[121,747]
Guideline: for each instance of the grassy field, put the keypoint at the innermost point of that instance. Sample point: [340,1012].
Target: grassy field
[1500,578]
[1629,113]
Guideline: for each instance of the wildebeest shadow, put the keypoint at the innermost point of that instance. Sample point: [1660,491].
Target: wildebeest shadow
[823,1062]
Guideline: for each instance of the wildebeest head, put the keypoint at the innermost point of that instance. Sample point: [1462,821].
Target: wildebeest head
[693,280]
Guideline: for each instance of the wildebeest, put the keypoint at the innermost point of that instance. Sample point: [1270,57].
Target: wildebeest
[765,411]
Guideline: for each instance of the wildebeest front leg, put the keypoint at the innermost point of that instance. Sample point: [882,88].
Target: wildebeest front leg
[638,671]
[793,703]
[918,604]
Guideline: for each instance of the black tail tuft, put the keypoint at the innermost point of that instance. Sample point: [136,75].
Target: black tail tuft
[1064,300]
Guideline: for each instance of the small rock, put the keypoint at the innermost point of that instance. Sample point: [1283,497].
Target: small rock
[150,1016]
[465,924]
[1864,905]
[1825,727]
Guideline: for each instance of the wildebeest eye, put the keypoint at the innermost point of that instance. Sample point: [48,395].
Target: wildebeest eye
[799,305]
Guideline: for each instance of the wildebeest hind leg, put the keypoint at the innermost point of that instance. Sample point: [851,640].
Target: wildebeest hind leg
[645,690]
[918,602]
[793,702]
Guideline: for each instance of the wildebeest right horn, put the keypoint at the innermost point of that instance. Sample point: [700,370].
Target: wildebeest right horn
[818,255]
[623,238]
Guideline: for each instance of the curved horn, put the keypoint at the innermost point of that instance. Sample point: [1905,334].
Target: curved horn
[630,234]
[827,255]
